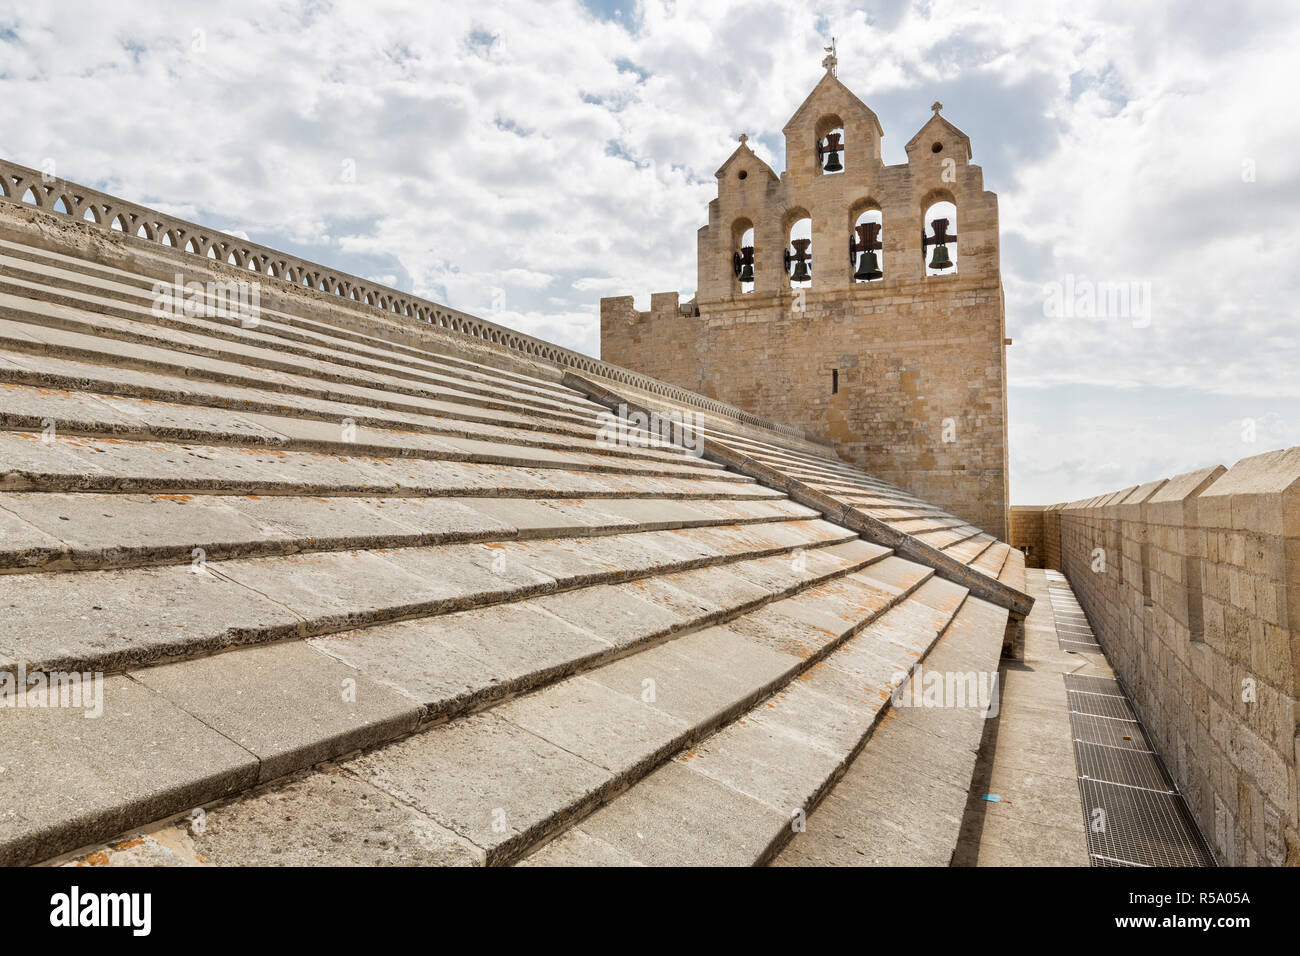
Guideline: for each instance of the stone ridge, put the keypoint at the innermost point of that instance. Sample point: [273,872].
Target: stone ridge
[835,490]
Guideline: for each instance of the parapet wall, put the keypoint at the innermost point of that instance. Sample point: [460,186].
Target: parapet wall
[1192,583]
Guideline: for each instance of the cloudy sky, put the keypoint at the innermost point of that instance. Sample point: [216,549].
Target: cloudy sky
[520,160]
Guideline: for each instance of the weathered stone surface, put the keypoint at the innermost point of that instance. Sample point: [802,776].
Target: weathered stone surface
[575,848]
[674,817]
[621,733]
[452,661]
[288,704]
[698,676]
[99,530]
[107,620]
[67,779]
[325,819]
[488,780]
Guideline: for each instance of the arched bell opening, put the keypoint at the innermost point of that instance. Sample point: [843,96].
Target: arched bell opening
[742,255]
[830,144]
[798,253]
[939,238]
[866,246]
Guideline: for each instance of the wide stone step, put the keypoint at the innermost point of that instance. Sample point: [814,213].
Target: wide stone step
[44,328]
[55,271]
[41,306]
[970,549]
[111,620]
[399,325]
[495,783]
[902,800]
[512,776]
[88,414]
[110,356]
[63,375]
[456,662]
[281,707]
[44,462]
[735,797]
[838,484]
[89,531]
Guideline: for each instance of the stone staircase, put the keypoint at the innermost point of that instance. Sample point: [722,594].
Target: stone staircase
[365,594]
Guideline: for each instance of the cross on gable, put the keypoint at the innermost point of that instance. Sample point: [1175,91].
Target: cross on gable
[829,61]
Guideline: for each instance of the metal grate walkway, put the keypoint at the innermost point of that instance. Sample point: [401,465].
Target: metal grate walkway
[1073,632]
[1133,812]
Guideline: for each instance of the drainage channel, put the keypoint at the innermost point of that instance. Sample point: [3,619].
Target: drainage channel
[1133,812]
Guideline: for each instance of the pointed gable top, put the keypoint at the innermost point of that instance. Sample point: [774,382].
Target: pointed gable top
[830,95]
[743,152]
[937,127]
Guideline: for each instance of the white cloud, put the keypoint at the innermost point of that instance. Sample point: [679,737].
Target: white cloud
[519,160]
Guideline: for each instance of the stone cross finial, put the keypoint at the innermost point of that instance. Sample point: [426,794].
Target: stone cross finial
[936,106]
[743,139]
[829,61]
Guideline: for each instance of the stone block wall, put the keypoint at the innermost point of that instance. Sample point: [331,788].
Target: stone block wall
[1193,586]
[907,379]
[1052,537]
[1027,533]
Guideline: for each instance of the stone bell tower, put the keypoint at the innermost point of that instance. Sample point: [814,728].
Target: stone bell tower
[884,333]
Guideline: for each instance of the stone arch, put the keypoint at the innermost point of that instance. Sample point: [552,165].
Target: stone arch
[797,224]
[862,212]
[939,204]
[828,125]
[743,254]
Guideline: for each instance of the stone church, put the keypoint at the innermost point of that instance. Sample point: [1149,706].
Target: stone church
[872,335]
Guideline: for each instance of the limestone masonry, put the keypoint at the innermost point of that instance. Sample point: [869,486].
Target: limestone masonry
[905,372]
[1193,587]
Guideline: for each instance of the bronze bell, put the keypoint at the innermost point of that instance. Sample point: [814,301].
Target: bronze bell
[743,264]
[800,258]
[867,242]
[940,258]
[833,165]
[868,268]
